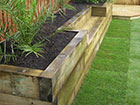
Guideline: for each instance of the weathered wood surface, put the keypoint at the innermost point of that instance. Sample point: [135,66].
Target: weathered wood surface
[70,89]
[6,99]
[19,81]
[99,11]
[127,2]
[78,21]
[20,70]
[90,23]
[126,11]
[101,21]
[43,85]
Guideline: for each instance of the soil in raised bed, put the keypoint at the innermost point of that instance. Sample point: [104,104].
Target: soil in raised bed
[54,45]
[100,2]
[52,48]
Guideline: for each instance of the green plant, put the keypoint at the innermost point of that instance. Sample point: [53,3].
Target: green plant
[28,23]
[63,5]
[5,56]
[27,28]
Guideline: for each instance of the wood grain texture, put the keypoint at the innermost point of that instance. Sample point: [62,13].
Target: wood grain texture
[90,23]
[19,81]
[20,70]
[127,2]
[79,19]
[126,11]
[60,69]
[6,99]
[69,87]
[19,85]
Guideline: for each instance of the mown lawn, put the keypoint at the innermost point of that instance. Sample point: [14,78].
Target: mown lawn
[114,76]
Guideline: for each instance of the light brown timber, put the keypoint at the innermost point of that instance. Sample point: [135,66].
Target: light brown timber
[71,87]
[6,99]
[126,11]
[127,2]
[19,81]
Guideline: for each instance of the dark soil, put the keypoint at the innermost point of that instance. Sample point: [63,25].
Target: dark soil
[52,48]
[60,20]
[100,2]
[54,45]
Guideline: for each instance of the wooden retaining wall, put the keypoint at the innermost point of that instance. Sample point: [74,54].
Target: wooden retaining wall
[127,2]
[60,82]
[95,37]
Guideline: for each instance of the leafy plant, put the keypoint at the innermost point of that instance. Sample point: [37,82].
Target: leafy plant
[6,57]
[63,5]
[27,27]
[28,22]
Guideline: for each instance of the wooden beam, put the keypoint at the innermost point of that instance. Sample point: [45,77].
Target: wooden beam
[19,81]
[6,99]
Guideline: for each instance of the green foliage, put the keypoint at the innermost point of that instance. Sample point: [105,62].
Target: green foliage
[35,48]
[27,27]
[7,57]
[63,5]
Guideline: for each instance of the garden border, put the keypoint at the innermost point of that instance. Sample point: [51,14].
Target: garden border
[66,71]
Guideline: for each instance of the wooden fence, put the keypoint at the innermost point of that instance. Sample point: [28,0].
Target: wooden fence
[8,22]
[127,2]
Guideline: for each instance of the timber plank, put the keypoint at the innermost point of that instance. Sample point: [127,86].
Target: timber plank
[127,2]
[20,70]
[20,85]
[127,12]
[69,87]
[79,19]
[6,99]
[90,23]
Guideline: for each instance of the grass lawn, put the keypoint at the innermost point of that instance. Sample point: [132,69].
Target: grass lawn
[114,76]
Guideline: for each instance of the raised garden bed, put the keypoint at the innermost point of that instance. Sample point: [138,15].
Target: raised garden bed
[58,84]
